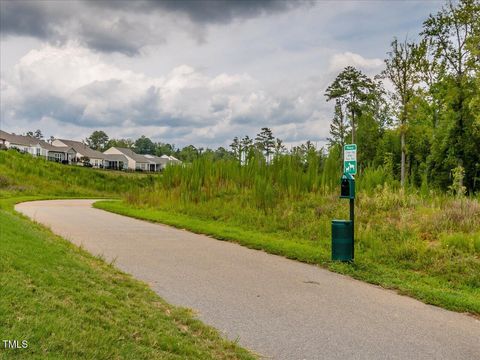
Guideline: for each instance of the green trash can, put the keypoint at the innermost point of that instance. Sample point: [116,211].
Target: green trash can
[342,240]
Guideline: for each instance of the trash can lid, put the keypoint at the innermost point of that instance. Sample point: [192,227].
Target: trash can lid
[341,221]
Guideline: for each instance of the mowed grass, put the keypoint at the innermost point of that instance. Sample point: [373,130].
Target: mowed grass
[68,304]
[423,244]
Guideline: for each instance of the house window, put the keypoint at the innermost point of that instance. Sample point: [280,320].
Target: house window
[38,151]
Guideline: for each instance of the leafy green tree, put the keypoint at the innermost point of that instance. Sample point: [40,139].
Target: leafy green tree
[222,154]
[143,145]
[188,153]
[419,135]
[451,36]
[369,134]
[402,69]
[98,140]
[164,149]
[122,143]
[451,32]
[37,134]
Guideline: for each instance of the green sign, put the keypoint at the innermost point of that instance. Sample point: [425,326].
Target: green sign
[350,159]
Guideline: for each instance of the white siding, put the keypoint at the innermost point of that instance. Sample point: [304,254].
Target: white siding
[132,165]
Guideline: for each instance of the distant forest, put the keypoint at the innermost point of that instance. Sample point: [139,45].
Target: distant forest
[426,130]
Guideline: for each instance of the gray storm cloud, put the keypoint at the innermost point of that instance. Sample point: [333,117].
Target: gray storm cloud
[125,26]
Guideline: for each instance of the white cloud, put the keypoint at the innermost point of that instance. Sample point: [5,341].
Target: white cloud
[341,60]
[74,86]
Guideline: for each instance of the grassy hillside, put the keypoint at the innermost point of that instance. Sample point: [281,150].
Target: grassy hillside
[423,243]
[22,174]
[68,304]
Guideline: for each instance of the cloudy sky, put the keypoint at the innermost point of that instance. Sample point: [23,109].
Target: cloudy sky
[188,72]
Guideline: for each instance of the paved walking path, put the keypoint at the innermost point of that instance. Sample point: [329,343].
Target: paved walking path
[279,308]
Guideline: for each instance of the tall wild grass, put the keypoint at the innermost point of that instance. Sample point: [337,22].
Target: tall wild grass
[297,197]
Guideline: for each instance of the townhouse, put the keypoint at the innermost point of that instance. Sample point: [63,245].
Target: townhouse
[83,153]
[76,152]
[36,147]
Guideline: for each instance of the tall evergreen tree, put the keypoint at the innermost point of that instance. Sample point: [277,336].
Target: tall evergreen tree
[236,147]
[279,147]
[265,142]
[339,127]
[247,148]
[353,90]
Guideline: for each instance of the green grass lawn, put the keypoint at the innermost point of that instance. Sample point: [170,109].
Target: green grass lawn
[68,304]
[446,274]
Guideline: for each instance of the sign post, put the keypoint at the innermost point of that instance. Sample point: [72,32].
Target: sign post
[343,237]
[350,159]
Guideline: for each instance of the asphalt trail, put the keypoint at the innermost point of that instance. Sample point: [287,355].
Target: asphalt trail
[279,308]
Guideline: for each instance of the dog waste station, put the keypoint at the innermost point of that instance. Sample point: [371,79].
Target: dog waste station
[343,230]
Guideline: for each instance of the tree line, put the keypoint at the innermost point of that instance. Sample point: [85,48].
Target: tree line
[428,127]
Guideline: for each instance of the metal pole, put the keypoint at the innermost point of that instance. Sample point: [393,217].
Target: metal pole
[352,219]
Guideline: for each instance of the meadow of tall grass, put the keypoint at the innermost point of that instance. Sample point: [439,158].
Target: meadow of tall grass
[419,231]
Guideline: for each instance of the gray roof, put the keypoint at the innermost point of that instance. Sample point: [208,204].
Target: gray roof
[83,149]
[115,157]
[132,155]
[19,139]
[171,158]
[50,147]
[31,141]
[156,160]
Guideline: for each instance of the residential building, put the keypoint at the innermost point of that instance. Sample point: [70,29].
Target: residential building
[63,150]
[36,147]
[156,163]
[2,140]
[58,153]
[134,161]
[115,161]
[171,159]
[83,153]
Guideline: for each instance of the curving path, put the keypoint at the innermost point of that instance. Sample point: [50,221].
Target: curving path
[279,308]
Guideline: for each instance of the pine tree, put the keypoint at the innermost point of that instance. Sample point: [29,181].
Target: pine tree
[355,91]
[339,128]
[265,142]
[236,147]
